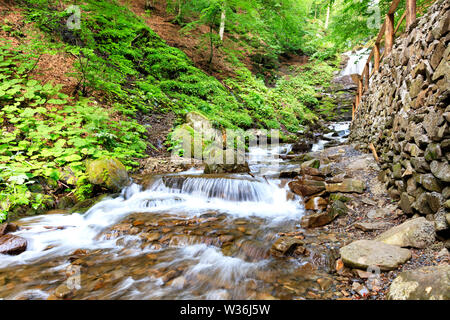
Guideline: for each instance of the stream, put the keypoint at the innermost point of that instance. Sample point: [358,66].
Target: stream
[178,236]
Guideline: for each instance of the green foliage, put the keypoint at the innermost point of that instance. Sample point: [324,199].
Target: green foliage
[356,22]
[44,132]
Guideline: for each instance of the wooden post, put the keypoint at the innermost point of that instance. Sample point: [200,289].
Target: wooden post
[410,12]
[366,77]
[389,34]
[360,89]
[376,57]
[353,110]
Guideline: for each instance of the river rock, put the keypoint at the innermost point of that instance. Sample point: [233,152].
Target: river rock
[429,182]
[370,253]
[306,187]
[285,246]
[290,173]
[370,226]
[301,146]
[7,227]
[316,203]
[348,185]
[406,202]
[427,283]
[313,163]
[12,245]
[416,233]
[108,172]
[320,219]
[441,170]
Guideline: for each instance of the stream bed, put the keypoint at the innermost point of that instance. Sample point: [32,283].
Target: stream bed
[179,236]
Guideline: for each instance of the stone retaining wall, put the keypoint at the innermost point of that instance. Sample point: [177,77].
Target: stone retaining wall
[406,115]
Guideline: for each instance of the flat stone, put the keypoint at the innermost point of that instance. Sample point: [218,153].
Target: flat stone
[427,283]
[313,163]
[306,187]
[371,226]
[348,185]
[416,233]
[363,254]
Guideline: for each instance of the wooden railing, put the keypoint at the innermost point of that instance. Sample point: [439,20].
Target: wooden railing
[387,31]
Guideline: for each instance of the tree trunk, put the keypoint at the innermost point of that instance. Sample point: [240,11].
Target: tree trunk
[222,21]
[211,43]
[328,17]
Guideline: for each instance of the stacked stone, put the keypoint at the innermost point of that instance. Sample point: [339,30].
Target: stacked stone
[406,115]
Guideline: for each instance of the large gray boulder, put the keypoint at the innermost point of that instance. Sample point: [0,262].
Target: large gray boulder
[363,254]
[427,283]
[416,233]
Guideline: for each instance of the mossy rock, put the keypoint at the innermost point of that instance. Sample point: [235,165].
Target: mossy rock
[107,172]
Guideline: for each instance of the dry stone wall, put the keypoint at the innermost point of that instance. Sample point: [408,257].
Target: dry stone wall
[406,115]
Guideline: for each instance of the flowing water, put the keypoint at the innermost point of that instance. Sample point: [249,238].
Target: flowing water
[356,62]
[176,236]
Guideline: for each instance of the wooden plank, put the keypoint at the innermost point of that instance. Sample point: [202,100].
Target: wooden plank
[366,77]
[400,22]
[381,33]
[353,111]
[360,90]
[410,12]
[389,33]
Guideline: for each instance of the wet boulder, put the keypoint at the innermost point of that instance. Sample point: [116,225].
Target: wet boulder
[427,283]
[302,146]
[12,245]
[285,246]
[416,233]
[306,187]
[7,227]
[107,172]
[336,209]
[363,254]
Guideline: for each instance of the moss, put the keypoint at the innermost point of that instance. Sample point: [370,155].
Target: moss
[108,172]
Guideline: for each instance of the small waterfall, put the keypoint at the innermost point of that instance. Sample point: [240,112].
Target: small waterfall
[356,62]
[226,188]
